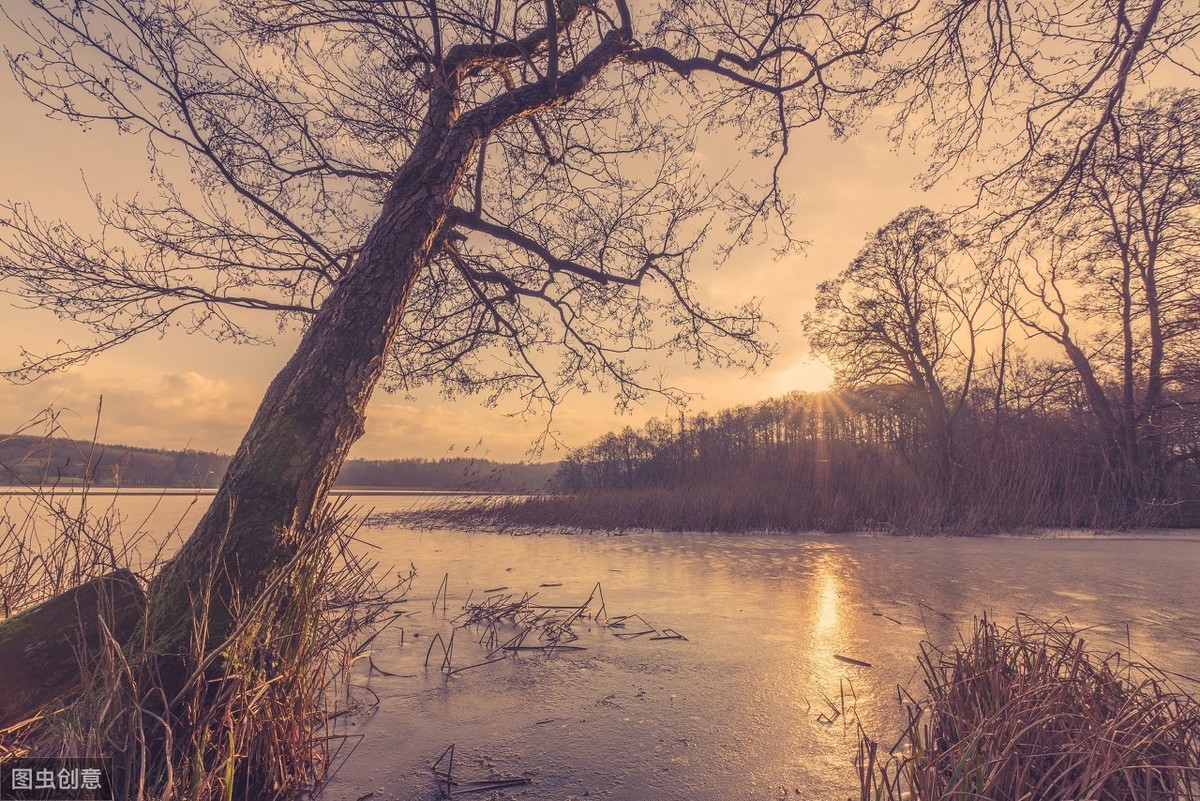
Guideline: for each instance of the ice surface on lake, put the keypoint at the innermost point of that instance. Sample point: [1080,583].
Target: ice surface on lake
[741,709]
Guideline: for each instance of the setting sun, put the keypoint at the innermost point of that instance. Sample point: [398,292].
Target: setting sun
[807,375]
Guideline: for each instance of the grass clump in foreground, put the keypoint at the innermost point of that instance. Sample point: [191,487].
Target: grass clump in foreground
[1027,713]
[255,721]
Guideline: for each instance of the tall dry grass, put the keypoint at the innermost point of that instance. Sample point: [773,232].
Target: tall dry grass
[864,502]
[853,492]
[54,537]
[256,719]
[1028,713]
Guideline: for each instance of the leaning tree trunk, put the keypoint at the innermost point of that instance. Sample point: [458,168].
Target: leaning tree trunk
[311,414]
[313,411]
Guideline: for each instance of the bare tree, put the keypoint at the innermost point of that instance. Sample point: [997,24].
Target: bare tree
[994,84]
[1109,275]
[1000,90]
[412,182]
[908,312]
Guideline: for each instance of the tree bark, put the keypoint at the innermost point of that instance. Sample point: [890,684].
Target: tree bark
[41,648]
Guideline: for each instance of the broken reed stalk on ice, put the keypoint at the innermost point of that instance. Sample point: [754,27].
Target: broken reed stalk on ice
[508,624]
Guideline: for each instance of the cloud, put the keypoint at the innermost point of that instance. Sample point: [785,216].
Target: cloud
[165,410]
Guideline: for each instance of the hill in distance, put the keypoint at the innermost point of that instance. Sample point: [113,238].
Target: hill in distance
[32,460]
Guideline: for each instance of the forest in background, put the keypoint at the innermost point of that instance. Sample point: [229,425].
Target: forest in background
[32,460]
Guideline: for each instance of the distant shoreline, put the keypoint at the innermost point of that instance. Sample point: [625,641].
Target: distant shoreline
[184,491]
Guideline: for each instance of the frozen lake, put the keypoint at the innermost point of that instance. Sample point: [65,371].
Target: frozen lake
[741,709]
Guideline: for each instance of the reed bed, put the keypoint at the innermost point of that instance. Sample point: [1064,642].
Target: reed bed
[258,718]
[258,726]
[737,506]
[53,537]
[1028,713]
[882,503]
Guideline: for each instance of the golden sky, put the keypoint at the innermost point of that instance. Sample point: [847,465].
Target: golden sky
[185,390]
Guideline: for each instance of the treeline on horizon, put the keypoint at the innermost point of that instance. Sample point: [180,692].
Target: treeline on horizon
[33,460]
[857,460]
[1034,361]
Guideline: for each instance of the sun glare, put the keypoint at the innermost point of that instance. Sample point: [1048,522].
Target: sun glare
[809,375]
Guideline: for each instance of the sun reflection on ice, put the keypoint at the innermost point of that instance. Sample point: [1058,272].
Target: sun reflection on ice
[834,682]
[825,614]
[821,690]
[828,627]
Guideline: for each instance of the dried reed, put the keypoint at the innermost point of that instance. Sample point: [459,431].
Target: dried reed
[53,537]
[1027,713]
